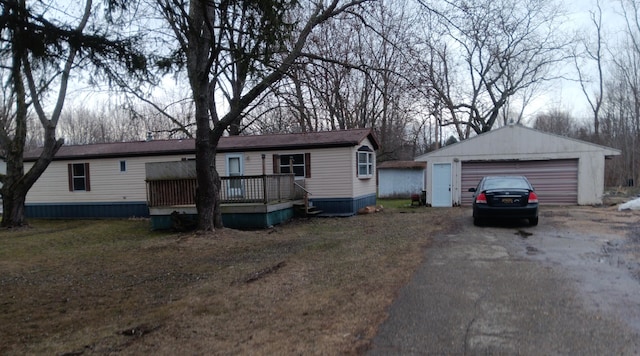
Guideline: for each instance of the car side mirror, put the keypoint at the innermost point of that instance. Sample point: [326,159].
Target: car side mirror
[472,190]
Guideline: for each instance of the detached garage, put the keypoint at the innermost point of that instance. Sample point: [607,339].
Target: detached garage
[564,171]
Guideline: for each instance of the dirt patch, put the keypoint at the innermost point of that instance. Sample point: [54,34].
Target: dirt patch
[310,286]
[318,286]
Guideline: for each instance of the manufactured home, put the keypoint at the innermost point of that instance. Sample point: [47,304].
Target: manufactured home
[336,169]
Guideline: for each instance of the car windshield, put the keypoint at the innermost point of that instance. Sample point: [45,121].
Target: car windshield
[505,183]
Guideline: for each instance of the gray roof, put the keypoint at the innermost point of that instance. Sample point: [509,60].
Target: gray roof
[515,140]
[323,139]
[402,165]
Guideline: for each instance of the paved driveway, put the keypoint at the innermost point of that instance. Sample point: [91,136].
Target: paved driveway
[567,286]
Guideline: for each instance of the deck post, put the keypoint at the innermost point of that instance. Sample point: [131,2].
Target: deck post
[264,189]
[264,180]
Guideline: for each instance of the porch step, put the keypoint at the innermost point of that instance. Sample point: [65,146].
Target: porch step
[311,211]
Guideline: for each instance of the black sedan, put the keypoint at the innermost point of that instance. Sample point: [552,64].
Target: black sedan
[504,197]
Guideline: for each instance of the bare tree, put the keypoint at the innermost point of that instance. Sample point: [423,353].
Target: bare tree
[355,74]
[593,52]
[106,122]
[237,50]
[556,121]
[492,50]
[38,53]
[619,120]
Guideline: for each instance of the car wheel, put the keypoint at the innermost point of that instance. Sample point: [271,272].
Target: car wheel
[534,221]
[477,221]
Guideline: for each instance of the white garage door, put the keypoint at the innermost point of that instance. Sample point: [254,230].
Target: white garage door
[555,181]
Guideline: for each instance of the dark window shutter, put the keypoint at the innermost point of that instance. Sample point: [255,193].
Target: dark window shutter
[357,164]
[86,177]
[307,165]
[276,164]
[70,169]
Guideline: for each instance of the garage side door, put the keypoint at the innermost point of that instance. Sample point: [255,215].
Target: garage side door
[555,181]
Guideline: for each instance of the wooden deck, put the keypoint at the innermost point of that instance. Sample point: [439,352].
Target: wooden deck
[263,189]
[246,201]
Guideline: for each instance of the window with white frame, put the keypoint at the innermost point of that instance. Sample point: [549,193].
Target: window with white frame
[123,166]
[365,162]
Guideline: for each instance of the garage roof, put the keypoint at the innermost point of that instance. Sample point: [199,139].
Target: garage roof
[402,165]
[517,141]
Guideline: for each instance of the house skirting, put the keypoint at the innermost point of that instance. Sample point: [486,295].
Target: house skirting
[343,206]
[87,210]
[238,216]
[235,216]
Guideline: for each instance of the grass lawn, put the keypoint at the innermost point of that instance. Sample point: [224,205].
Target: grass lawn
[317,285]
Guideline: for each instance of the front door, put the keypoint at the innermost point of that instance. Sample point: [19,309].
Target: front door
[441,185]
[234,169]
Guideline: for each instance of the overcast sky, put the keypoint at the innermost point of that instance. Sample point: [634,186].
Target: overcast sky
[561,94]
[567,95]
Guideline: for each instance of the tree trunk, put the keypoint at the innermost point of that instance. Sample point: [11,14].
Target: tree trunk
[208,179]
[206,195]
[217,212]
[13,201]
[205,160]
[17,184]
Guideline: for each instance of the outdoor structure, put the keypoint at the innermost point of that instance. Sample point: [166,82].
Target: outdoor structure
[563,171]
[255,201]
[109,180]
[400,179]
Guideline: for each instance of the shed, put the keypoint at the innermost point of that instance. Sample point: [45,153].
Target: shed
[564,171]
[400,179]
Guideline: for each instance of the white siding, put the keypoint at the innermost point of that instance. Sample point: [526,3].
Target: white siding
[517,142]
[330,169]
[252,162]
[523,144]
[333,171]
[363,186]
[333,175]
[108,184]
[401,183]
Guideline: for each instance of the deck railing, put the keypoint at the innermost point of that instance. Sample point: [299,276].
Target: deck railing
[241,189]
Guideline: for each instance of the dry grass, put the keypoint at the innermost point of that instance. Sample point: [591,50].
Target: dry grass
[317,286]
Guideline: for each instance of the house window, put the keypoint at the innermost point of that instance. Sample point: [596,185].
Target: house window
[299,162]
[365,162]
[123,166]
[79,177]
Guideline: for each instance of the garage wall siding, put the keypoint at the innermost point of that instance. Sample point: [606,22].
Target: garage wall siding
[400,183]
[519,143]
[555,181]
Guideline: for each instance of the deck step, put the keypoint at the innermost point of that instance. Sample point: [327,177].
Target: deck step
[310,211]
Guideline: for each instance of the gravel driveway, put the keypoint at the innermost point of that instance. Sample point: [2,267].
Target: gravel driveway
[568,286]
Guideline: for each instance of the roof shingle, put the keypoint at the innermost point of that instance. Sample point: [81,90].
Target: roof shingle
[343,138]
